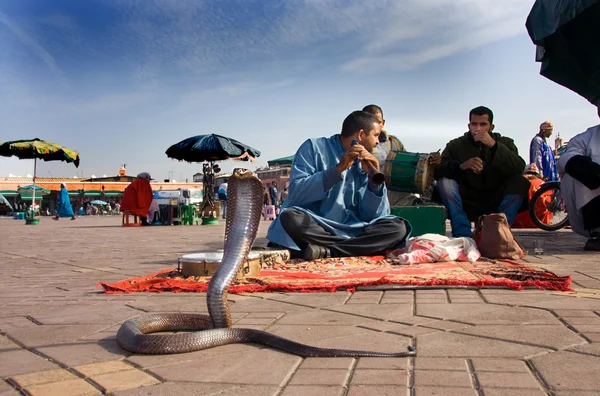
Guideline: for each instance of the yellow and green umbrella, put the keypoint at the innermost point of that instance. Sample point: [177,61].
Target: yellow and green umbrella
[38,149]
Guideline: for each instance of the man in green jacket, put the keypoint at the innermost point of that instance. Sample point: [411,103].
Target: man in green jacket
[481,173]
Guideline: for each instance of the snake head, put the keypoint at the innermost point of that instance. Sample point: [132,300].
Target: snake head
[242,173]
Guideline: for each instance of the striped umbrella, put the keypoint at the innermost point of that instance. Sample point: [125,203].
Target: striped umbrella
[37,148]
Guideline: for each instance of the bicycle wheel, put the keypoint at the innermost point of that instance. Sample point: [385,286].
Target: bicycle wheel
[547,208]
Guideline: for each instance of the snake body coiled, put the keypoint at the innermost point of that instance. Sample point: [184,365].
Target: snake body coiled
[197,331]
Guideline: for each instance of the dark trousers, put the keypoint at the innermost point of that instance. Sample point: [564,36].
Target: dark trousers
[384,234]
[591,214]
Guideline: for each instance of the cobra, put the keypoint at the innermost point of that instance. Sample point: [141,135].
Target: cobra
[198,331]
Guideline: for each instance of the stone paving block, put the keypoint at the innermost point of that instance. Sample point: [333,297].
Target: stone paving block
[27,363]
[262,305]
[375,311]
[591,349]
[379,390]
[593,337]
[454,311]
[513,392]
[268,368]
[94,369]
[382,363]
[567,370]
[6,390]
[554,336]
[574,313]
[590,321]
[6,344]
[500,365]
[425,363]
[43,377]
[124,380]
[77,387]
[319,377]
[304,390]
[459,345]
[327,363]
[507,380]
[569,303]
[80,353]
[446,325]
[342,337]
[379,377]
[442,391]
[442,378]
[303,300]
[394,327]
[576,393]
[52,334]
[511,316]
[102,314]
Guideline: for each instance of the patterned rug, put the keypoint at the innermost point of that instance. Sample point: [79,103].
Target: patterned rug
[350,273]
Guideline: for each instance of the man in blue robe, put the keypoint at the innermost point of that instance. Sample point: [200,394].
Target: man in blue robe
[541,154]
[64,208]
[332,208]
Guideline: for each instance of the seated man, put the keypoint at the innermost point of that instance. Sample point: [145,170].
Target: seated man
[333,209]
[387,142]
[137,197]
[579,169]
[481,173]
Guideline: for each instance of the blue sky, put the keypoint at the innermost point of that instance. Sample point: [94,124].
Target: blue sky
[122,80]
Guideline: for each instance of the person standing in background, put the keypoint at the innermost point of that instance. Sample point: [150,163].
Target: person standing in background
[542,155]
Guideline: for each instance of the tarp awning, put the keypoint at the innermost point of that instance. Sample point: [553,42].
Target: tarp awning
[92,193]
[113,193]
[9,193]
[29,196]
[281,161]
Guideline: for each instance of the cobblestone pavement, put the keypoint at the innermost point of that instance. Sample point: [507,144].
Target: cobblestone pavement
[57,331]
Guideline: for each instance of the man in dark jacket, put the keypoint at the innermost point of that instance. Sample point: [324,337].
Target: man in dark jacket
[481,173]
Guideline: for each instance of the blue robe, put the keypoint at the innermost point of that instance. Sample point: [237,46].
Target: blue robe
[541,154]
[64,208]
[342,204]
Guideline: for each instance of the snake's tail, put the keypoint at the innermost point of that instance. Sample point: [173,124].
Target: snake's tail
[296,348]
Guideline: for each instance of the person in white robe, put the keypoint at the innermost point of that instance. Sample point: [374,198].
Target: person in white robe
[579,169]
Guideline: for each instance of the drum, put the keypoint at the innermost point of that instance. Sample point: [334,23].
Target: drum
[205,264]
[408,172]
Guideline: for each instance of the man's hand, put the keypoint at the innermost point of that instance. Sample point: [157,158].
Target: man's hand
[357,151]
[435,159]
[484,138]
[475,164]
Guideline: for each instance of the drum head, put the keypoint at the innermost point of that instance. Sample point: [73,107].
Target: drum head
[424,178]
[210,257]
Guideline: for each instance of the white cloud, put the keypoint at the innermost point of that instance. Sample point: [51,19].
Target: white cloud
[30,42]
[417,33]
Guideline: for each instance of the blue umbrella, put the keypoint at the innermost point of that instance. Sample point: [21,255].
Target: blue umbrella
[211,148]
[98,202]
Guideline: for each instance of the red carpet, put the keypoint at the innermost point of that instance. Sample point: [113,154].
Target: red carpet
[329,275]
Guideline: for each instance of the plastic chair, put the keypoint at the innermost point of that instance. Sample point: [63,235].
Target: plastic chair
[137,221]
[270,212]
[189,215]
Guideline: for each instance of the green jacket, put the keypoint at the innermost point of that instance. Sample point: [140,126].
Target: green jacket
[502,172]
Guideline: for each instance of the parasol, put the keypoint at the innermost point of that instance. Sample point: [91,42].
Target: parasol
[567,39]
[211,148]
[37,148]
